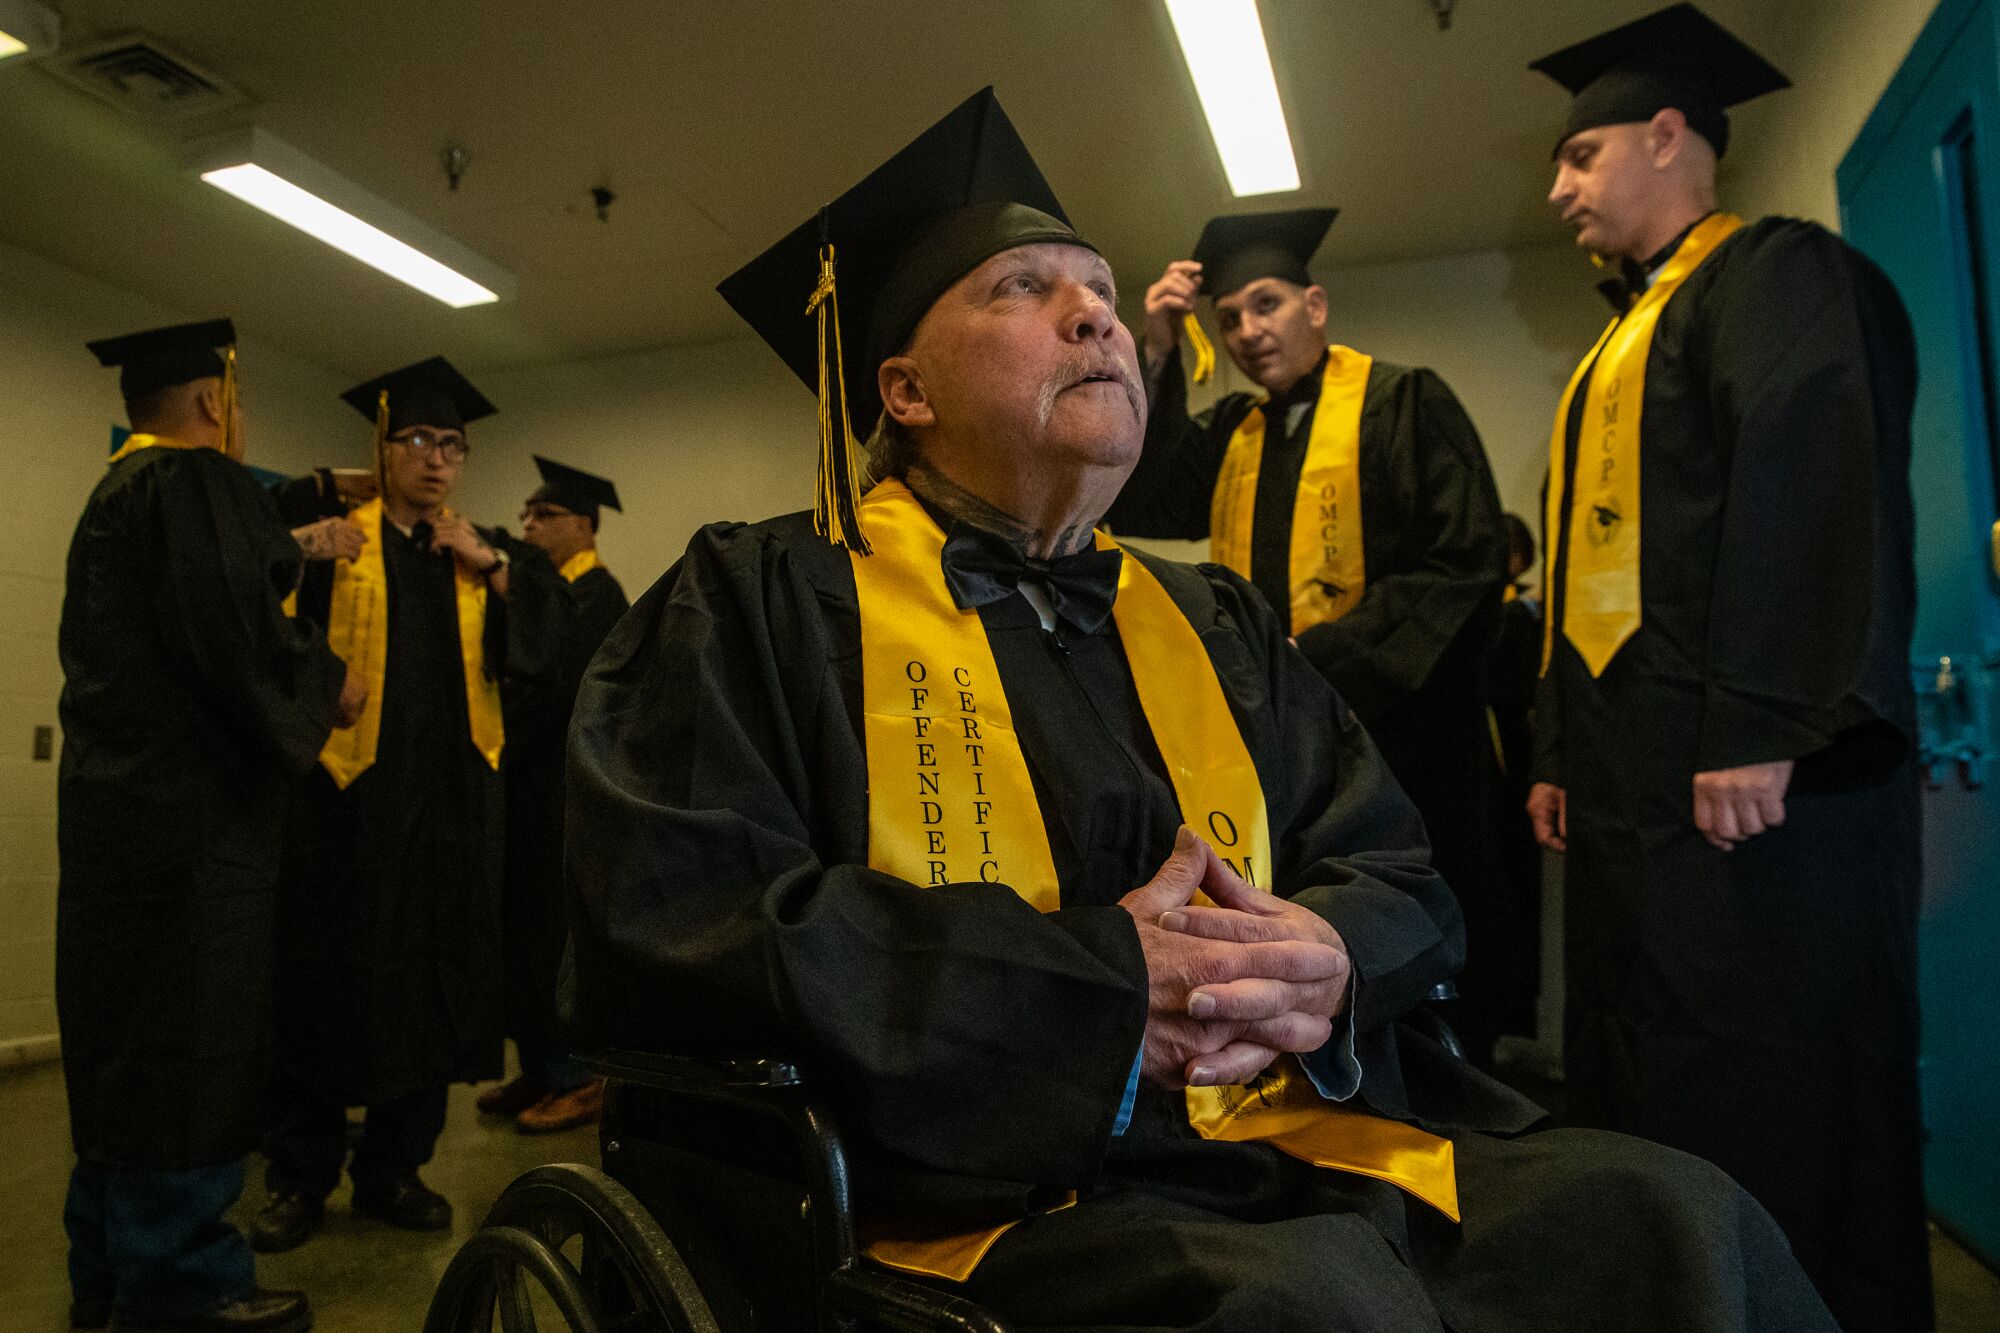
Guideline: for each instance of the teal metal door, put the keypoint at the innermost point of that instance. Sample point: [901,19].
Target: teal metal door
[1920,193]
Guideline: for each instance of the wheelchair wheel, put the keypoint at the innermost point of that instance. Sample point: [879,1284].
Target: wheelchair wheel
[629,1278]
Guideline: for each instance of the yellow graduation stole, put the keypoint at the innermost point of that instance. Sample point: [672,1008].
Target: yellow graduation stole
[358,630]
[138,440]
[951,801]
[1601,598]
[580,564]
[1328,574]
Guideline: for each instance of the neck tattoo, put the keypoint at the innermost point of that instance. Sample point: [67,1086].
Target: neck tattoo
[945,494]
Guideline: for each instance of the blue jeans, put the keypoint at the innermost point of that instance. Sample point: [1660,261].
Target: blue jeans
[155,1243]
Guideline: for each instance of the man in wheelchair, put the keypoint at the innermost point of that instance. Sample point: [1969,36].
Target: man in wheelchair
[1078,894]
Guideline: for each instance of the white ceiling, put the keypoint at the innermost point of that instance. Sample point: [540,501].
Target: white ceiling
[722,124]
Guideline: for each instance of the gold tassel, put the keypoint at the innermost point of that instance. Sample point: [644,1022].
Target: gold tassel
[837,504]
[382,444]
[228,395]
[1203,349]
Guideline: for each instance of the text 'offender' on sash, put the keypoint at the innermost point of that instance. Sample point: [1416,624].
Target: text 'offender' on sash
[953,805]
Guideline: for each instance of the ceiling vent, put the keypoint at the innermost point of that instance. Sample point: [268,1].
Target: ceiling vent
[144,79]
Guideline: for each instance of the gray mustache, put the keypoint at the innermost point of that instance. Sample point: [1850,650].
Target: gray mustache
[1074,369]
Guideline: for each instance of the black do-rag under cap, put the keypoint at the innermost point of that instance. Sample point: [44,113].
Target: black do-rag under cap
[429,393]
[1237,249]
[158,359]
[1678,57]
[964,190]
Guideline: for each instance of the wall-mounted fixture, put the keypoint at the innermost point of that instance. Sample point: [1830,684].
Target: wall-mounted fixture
[1223,44]
[269,174]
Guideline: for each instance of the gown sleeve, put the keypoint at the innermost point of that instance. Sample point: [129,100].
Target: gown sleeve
[528,632]
[722,901]
[1791,396]
[230,563]
[1386,647]
[600,601]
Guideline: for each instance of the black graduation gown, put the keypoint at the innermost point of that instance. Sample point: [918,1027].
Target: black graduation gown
[537,722]
[1513,675]
[189,703]
[1759,1006]
[390,937]
[1410,658]
[975,1050]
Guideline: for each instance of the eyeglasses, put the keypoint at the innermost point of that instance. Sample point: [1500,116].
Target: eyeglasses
[451,448]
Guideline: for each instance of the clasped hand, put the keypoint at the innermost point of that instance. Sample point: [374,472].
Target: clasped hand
[1230,987]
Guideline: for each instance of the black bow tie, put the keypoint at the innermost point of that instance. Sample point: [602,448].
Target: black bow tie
[982,567]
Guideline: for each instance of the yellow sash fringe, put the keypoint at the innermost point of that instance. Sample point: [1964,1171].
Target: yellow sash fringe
[1601,585]
[1327,568]
[358,631]
[951,801]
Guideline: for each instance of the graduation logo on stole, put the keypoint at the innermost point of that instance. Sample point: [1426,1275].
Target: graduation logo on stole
[1601,591]
[1327,572]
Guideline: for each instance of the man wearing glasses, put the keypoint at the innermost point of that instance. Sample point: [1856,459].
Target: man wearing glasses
[553,1091]
[389,932]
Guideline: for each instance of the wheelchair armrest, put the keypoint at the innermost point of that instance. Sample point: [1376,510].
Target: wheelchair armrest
[769,1089]
[690,1074]
[1433,1025]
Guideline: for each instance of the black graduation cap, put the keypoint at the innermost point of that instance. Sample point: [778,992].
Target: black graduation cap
[1678,57]
[578,491]
[429,393]
[1237,249]
[964,190]
[161,358]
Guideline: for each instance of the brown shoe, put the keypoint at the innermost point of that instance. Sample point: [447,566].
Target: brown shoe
[510,1099]
[564,1110]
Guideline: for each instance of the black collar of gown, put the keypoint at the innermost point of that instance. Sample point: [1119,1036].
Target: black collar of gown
[1304,390]
[1634,278]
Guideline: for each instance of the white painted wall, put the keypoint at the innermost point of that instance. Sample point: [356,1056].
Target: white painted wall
[690,435]
[1840,55]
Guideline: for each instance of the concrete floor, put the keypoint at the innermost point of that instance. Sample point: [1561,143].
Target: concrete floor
[366,1277]
[363,1275]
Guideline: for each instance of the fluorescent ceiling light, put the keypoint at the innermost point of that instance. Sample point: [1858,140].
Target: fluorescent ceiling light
[268,174]
[27,28]
[348,234]
[1223,44]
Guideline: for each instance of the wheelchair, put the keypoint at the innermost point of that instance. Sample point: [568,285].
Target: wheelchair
[722,1207]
